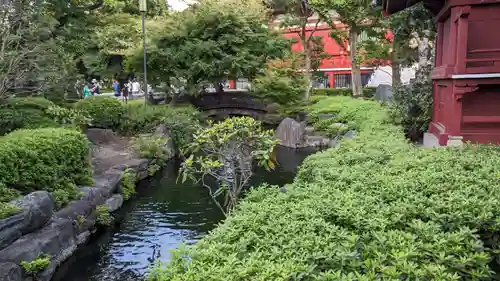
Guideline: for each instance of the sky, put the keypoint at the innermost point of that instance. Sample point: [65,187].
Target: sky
[178,5]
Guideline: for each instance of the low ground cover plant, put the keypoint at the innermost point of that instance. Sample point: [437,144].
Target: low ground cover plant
[374,208]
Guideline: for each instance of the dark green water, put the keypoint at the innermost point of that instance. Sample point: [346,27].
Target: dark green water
[161,216]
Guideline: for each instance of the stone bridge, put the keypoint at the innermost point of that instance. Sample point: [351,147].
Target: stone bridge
[230,103]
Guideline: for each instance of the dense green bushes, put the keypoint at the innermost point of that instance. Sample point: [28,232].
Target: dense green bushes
[375,208]
[18,113]
[368,92]
[105,112]
[52,159]
[137,118]
[37,112]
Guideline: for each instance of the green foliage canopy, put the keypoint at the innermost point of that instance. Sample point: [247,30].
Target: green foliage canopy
[216,41]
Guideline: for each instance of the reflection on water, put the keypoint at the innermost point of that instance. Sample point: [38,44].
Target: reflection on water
[163,215]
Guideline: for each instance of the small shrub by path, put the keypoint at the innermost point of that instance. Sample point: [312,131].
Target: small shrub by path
[375,208]
[106,112]
[52,159]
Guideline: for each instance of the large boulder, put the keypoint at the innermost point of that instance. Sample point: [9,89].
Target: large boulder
[10,272]
[38,208]
[10,229]
[58,240]
[295,134]
[114,203]
[139,166]
[109,181]
[291,133]
[96,196]
[163,131]
[384,93]
[74,210]
[53,239]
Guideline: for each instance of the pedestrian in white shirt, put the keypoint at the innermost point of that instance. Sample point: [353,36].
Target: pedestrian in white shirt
[136,87]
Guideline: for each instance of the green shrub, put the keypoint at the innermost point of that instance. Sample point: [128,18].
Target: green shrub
[52,159]
[280,85]
[104,218]
[411,105]
[368,92]
[8,194]
[153,147]
[106,112]
[181,121]
[37,265]
[7,210]
[374,208]
[127,183]
[16,113]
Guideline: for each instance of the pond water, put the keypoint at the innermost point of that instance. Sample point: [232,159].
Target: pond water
[159,218]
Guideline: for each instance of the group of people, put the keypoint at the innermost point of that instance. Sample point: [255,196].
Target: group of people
[128,90]
[91,89]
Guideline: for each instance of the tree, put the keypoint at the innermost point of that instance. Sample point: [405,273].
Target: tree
[413,32]
[165,60]
[225,151]
[359,17]
[227,40]
[282,82]
[296,18]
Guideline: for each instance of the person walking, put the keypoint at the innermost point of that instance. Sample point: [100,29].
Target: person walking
[125,93]
[116,88]
[136,87]
[95,87]
[86,91]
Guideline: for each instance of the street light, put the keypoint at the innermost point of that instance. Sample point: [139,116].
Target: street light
[143,9]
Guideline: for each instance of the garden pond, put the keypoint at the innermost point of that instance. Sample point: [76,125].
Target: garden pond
[163,214]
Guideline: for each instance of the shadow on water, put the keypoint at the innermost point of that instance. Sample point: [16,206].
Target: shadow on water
[159,218]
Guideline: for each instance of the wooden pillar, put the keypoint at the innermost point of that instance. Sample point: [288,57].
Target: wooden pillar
[462,25]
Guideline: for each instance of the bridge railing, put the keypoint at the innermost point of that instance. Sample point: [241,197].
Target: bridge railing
[232,99]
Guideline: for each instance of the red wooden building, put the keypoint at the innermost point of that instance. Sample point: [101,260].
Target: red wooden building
[333,72]
[336,68]
[466,78]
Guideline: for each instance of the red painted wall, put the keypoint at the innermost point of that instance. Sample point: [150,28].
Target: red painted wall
[339,59]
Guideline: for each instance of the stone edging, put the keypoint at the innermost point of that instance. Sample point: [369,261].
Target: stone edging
[39,230]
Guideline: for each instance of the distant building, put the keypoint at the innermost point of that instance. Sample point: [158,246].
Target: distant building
[335,71]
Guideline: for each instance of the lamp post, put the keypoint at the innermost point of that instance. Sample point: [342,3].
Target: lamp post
[143,10]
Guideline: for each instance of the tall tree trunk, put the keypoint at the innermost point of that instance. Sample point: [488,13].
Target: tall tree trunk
[307,73]
[307,58]
[357,90]
[396,73]
[423,52]
[395,66]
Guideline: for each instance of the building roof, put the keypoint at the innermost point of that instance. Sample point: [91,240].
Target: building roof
[394,6]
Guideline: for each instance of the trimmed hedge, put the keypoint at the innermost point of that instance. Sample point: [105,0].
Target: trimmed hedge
[375,208]
[30,112]
[52,159]
[106,112]
[368,92]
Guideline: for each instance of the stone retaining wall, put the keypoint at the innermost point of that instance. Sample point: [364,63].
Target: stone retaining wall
[39,230]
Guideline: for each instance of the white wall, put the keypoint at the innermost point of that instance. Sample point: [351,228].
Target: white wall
[383,75]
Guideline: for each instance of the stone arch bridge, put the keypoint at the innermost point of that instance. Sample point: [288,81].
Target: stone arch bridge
[230,103]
